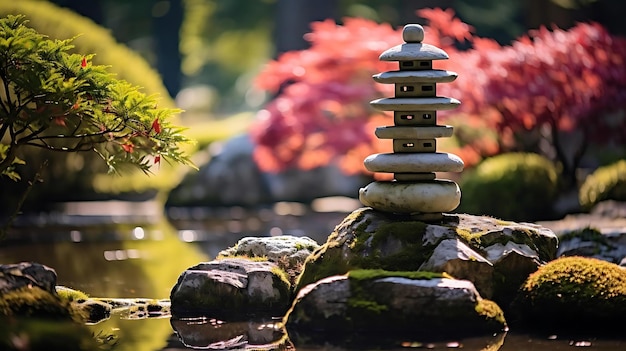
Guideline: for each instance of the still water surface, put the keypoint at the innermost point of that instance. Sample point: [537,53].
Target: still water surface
[142,257]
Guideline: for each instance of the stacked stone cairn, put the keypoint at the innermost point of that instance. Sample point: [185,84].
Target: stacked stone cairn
[414,161]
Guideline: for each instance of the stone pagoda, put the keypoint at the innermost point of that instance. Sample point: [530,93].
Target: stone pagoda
[414,161]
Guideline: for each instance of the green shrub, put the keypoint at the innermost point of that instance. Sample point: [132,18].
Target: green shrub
[605,183]
[56,101]
[79,176]
[574,292]
[513,186]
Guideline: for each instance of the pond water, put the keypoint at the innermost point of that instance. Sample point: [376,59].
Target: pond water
[130,255]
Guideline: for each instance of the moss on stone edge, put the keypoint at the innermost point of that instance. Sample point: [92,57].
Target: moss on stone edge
[71,295]
[574,292]
[490,311]
[36,302]
[365,274]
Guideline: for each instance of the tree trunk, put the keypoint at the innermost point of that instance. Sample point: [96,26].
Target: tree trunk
[293,18]
[166,33]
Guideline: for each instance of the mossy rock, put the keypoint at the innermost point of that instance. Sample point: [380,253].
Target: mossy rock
[574,293]
[232,289]
[605,183]
[370,239]
[38,303]
[399,303]
[513,186]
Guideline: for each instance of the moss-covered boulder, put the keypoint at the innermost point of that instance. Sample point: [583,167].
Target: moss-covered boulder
[497,256]
[404,303]
[516,186]
[27,289]
[605,183]
[232,289]
[574,293]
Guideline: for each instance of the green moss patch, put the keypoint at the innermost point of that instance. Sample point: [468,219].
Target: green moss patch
[365,274]
[36,302]
[575,293]
[490,311]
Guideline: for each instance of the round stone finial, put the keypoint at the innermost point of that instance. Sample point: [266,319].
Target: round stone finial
[413,33]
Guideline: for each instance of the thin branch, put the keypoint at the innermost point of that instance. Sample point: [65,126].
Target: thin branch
[7,93]
[580,152]
[560,153]
[3,129]
[77,147]
[69,136]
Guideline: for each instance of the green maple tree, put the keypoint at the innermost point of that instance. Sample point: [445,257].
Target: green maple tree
[53,99]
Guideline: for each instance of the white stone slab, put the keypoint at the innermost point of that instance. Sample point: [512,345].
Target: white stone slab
[413,162]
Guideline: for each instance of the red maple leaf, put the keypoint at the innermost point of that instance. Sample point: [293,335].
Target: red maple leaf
[59,120]
[128,147]
[156,126]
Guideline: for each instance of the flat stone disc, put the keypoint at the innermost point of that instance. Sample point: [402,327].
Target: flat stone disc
[434,196]
[417,132]
[415,104]
[425,76]
[413,51]
[413,162]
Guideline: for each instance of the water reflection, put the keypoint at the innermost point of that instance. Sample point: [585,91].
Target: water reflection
[142,257]
[208,333]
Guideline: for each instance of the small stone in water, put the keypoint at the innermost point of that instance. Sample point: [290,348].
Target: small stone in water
[453,345]
[552,337]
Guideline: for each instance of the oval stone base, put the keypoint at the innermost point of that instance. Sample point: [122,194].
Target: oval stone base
[400,197]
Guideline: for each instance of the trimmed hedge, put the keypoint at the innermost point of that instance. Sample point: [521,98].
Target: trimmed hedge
[605,183]
[574,293]
[512,186]
[61,23]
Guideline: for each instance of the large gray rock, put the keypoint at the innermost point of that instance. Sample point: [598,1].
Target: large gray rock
[381,302]
[231,289]
[232,178]
[495,255]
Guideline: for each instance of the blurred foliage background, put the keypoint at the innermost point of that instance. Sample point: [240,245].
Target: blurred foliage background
[218,46]
[203,55]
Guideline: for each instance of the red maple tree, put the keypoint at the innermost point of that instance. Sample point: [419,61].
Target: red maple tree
[554,79]
[561,82]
